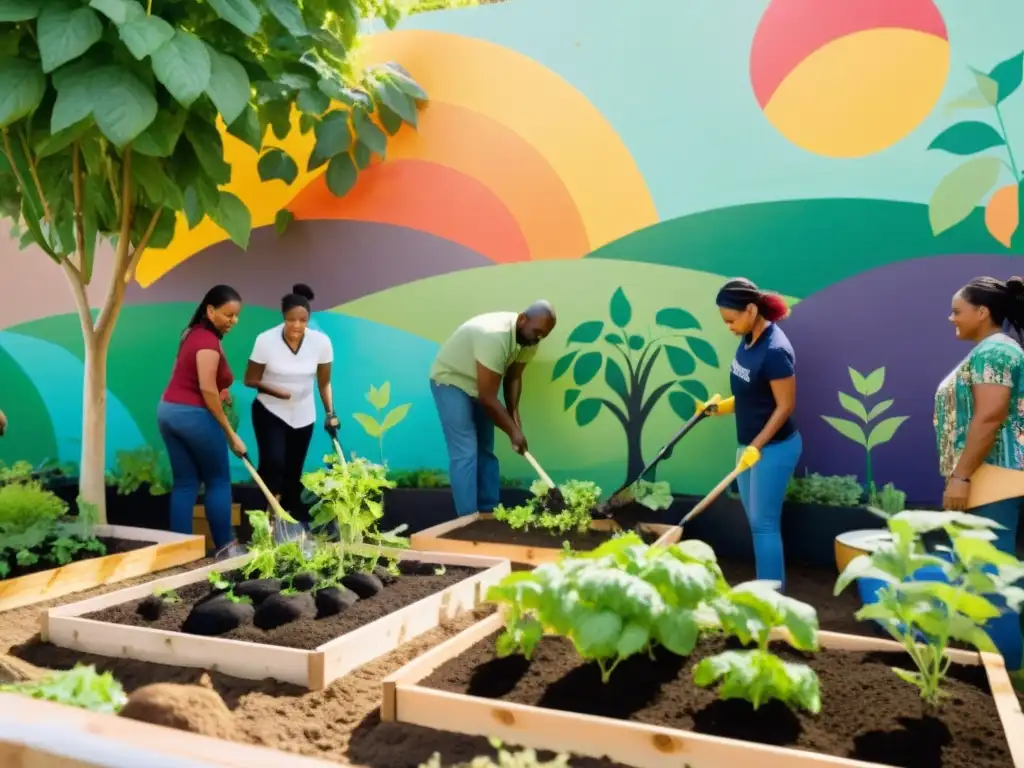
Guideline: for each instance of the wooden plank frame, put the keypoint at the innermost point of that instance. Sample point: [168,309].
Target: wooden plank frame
[314,669]
[637,744]
[91,740]
[432,540]
[167,551]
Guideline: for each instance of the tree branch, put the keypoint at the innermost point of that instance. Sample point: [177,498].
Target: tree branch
[656,395]
[616,411]
[115,294]
[136,256]
[645,374]
[81,299]
[35,179]
[76,183]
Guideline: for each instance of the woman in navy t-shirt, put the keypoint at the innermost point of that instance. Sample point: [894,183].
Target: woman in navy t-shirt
[763,381]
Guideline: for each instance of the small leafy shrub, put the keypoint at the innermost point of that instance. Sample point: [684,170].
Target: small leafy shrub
[143,466]
[750,612]
[557,510]
[421,478]
[18,472]
[653,495]
[937,611]
[827,490]
[81,687]
[24,505]
[889,501]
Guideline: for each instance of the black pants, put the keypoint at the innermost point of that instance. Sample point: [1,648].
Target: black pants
[282,451]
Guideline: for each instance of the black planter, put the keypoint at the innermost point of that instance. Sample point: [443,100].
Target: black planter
[139,509]
[421,508]
[809,530]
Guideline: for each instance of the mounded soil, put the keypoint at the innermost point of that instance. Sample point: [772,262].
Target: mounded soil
[867,712]
[497,532]
[341,722]
[305,633]
[114,546]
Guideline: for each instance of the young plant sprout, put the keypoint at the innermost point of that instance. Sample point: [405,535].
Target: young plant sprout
[925,616]
[526,758]
[750,612]
[167,595]
[81,687]
[558,510]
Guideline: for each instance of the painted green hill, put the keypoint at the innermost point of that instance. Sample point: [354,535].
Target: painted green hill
[798,247]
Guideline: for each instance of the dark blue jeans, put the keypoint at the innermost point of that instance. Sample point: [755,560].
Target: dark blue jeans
[198,451]
[469,434]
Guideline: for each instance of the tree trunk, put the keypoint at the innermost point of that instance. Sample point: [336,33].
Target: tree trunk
[92,475]
[634,448]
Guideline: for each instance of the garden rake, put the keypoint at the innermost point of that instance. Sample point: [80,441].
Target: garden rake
[609,508]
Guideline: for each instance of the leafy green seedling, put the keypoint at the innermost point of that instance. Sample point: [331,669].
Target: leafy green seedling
[750,612]
[217,581]
[167,595]
[620,599]
[953,609]
[440,570]
[81,687]
[568,508]
[526,758]
[385,420]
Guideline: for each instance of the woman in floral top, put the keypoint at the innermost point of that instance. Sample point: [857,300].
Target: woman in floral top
[979,421]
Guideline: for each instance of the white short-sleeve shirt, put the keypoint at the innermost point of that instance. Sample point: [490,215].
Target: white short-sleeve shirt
[293,372]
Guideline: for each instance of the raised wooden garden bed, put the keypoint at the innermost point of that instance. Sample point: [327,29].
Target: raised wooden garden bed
[523,546]
[367,635]
[201,526]
[160,550]
[432,691]
[88,739]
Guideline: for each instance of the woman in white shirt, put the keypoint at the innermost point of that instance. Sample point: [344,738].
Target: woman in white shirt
[287,363]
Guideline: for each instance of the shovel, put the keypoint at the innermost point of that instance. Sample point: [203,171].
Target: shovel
[713,494]
[544,476]
[608,508]
[281,517]
[333,432]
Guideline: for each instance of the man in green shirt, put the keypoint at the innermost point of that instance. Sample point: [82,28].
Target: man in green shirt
[484,352]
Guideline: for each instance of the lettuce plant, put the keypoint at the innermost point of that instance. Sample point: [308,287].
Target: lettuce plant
[750,612]
[620,599]
[938,612]
[81,687]
[557,510]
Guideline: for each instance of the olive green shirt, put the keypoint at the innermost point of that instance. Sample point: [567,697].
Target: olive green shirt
[486,339]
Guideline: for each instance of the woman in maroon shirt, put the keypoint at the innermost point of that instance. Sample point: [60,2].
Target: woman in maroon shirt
[192,421]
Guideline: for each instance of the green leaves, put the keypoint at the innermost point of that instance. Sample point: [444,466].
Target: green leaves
[277,164]
[847,429]
[369,134]
[64,31]
[183,66]
[233,217]
[586,332]
[239,13]
[143,35]
[760,677]
[1007,76]
[333,136]
[123,106]
[677,319]
[82,687]
[967,138]
[868,385]
[22,85]
[19,10]
[586,368]
[587,411]
[960,191]
[872,434]
[341,174]
[228,86]
[619,308]
[884,431]
[681,361]
[572,511]
[288,14]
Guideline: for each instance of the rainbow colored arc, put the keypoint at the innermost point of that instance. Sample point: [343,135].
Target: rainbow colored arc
[509,160]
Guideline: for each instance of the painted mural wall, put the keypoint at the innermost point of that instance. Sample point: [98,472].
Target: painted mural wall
[620,159]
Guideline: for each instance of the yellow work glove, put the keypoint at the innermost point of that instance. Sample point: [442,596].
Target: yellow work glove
[749,456]
[721,408]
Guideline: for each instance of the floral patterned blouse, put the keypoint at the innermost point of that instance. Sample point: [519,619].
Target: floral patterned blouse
[996,360]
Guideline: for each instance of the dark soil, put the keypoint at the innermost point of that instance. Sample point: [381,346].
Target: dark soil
[114,546]
[306,633]
[496,532]
[867,712]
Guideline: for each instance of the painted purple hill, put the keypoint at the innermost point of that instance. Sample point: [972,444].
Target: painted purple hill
[340,260]
[893,317]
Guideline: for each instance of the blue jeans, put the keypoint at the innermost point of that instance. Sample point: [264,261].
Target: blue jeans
[198,451]
[763,489]
[1005,630]
[469,435]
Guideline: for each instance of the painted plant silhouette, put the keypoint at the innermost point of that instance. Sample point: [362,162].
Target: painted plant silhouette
[964,188]
[629,359]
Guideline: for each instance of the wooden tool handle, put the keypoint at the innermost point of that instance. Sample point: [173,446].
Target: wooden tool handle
[275,505]
[539,470]
[715,492]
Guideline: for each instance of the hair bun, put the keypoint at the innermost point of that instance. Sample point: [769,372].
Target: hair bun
[303,290]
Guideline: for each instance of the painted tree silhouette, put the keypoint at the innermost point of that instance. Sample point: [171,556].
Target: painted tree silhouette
[630,363]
